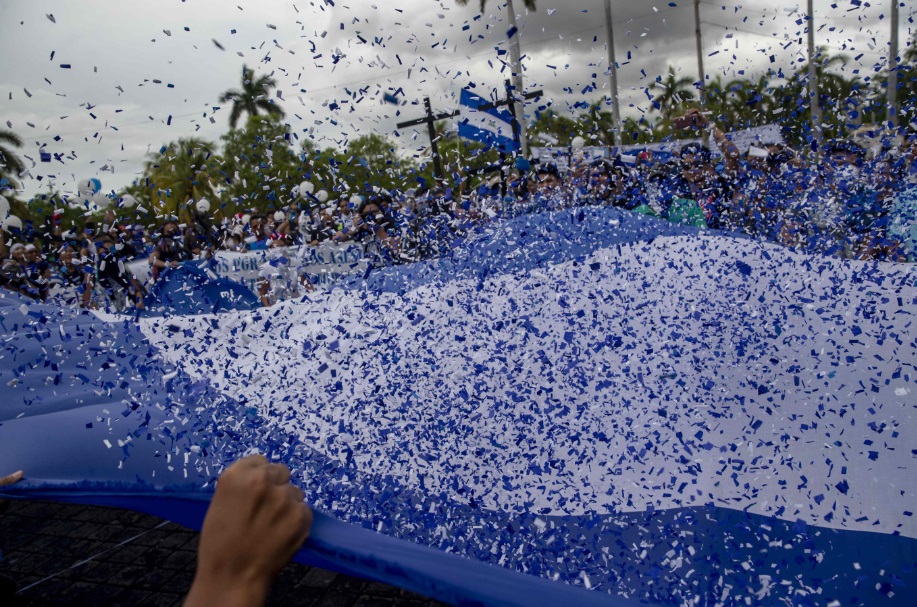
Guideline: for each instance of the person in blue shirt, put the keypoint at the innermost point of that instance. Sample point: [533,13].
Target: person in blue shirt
[902,224]
[853,212]
[887,176]
[766,187]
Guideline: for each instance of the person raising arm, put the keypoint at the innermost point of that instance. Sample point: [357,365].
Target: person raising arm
[695,119]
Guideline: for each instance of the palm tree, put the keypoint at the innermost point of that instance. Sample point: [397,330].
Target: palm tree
[181,175]
[560,127]
[748,103]
[515,53]
[10,164]
[675,93]
[251,98]
[597,125]
[907,83]
[837,95]
[717,101]
[637,131]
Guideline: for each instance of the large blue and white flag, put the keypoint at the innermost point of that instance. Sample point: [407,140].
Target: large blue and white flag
[491,126]
[574,408]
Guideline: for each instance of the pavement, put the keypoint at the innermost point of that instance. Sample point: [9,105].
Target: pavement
[62,554]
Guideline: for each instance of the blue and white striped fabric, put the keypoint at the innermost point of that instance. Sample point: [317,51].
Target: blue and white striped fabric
[579,407]
[492,127]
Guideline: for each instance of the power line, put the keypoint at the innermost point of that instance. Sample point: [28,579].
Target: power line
[123,126]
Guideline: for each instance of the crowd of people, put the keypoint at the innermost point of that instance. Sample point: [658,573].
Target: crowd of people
[847,202]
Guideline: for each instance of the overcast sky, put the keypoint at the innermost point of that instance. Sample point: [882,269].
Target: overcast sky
[109,81]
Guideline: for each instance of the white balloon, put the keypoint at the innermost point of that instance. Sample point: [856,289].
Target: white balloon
[11,222]
[4,207]
[279,216]
[127,202]
[578,142]
[306,187]
[101,200]
[246,218]
[202,206]
[85,188]
[322,196]
[357,200]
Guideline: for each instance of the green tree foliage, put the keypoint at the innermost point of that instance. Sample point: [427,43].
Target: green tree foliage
[563,128]
[10,163]
[673,94]
[42,207]
[847,100]
[181,175]
[839,98]
[461,159]
[368,162]
[261,165]
[141,193]
[875,108]
[637,131]
[907,83]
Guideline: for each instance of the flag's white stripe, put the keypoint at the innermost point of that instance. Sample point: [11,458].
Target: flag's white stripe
[672,304]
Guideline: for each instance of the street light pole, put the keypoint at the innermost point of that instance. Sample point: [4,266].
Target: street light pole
[700,55]
[813,79]
[515,54]
[613,66]
[893,68]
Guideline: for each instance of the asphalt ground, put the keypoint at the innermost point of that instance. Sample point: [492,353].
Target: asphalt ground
[63,554]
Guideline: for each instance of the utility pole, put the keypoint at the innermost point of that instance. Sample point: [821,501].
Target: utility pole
[702,94]
[429,119]
[814,104]
[613,66]
[515,55]
[893,69]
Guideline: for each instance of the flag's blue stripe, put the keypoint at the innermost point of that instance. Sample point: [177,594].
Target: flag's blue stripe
[469,99]
[188,289]
[488,138]
[846,566]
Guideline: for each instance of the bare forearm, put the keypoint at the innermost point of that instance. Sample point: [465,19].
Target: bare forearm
[729,149]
